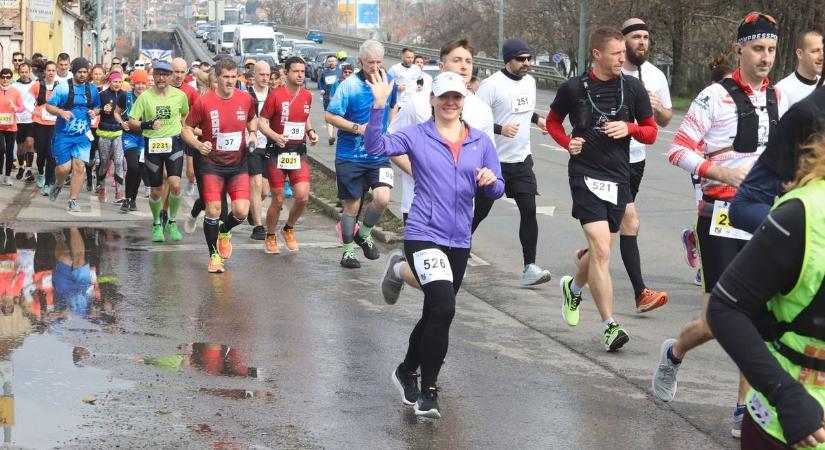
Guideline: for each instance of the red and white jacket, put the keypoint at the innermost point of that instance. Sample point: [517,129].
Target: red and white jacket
[710,126]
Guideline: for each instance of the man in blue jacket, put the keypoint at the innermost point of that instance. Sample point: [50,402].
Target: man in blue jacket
[328,83]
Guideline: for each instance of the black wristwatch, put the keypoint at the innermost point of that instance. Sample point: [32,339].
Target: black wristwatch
[355,127]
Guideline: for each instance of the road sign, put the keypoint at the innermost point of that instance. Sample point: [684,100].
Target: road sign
[557,58]
[367,14]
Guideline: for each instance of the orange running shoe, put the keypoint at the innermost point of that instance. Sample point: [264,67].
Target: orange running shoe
[271,244]
[289,239]
[225,245]
[216,264]
[649,300]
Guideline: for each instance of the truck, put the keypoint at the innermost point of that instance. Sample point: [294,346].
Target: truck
[253,40]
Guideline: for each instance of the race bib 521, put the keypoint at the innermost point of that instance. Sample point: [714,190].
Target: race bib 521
[605,190]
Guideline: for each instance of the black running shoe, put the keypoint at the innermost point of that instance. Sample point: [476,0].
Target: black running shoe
[427,404]
[133,205]
[29,177]
[124,205]
[407,384]
[367,244]
[349,260]
[258,233]
[20,171]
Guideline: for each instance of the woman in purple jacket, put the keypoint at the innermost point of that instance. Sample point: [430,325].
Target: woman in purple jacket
[451,162]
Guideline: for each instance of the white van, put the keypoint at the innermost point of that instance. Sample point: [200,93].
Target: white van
[227,37]
[255,40]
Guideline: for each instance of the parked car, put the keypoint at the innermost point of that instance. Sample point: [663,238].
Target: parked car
[315,36]
[317,64]
[212,41]
[304,51]
[285,48]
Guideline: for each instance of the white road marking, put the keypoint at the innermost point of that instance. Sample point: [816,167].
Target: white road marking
[545,210]
[475,261]
[554,147]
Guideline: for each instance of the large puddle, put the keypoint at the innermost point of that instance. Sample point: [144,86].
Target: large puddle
[50,282]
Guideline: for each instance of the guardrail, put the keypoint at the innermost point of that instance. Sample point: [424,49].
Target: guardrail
[547,76]
[191,49]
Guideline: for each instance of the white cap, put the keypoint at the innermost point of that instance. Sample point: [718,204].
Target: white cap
[449,82]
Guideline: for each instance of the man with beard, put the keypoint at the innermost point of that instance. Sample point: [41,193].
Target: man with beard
[511,94]
[406,76]
[637,43]
[725,130]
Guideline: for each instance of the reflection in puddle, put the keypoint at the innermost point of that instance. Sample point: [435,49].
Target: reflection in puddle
[236,393]
[47,279]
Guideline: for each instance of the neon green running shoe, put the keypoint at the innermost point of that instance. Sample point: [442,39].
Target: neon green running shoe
[615,337]
[570,306]
[157,233]
[174,232]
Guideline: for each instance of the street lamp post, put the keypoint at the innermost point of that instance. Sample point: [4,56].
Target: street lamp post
[114,30]
[500,28]
[97,37]
[582,56]
[306,13]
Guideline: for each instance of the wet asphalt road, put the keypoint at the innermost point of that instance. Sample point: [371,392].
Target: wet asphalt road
[282,351]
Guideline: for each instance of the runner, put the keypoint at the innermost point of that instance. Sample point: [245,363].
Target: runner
[260,91]
[26,86]
[223,115]
[285,122]
[159,112]
[327,83]
[346,71]
[133,142]
[437,235]
[44,129]
[637,44]
[511,94]
[406,75]
[98,81]
[355,169]
[802,81]
[63,64]
[179,73]
[110,143]
[75,103]
[765,312]
[457,57]
[730,148]
[425,83]
[10,105]
[606,109]
[17,58]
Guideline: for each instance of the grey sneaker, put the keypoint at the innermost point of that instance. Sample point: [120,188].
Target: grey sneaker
[73,206]
[738,414]
[54,192]
[664,379]
[392,285]
[534,275]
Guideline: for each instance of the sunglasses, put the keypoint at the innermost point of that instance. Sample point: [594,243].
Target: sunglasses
[17,60]
[523,58]
[5,77]
[755,16]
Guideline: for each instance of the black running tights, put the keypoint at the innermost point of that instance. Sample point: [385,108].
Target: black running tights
[132,172]
[528,230]
[430,337]
[7,150]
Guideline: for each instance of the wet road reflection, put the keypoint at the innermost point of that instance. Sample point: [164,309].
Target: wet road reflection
[47,280]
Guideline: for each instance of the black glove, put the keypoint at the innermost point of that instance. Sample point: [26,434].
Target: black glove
[799,413]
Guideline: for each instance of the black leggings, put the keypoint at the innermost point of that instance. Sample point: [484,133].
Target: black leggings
[430,337]
[133,169]
[7,150]
[92,154]
[43,146]
[528,230]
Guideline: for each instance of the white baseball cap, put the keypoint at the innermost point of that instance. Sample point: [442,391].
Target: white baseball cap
[449,82]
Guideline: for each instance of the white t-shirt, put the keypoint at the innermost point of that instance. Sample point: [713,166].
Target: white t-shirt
[68,76]
[795,87]
[427,87]
[655,81]
[407,77]
[512,101]
[475,112]
[29,100]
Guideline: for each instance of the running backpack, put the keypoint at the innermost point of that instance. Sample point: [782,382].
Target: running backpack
[747,126]
[70,101]
[41,94]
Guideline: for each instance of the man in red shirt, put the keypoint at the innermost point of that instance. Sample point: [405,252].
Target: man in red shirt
[222,115]
[285,122]
[179,71]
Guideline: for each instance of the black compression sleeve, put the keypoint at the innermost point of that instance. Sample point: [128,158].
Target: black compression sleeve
[496,128]
[770,263]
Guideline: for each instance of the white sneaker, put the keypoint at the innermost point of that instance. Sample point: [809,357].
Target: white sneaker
[191,189]
[534,275]
[190,224]
[664,379]
[7,181]
[146,191]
